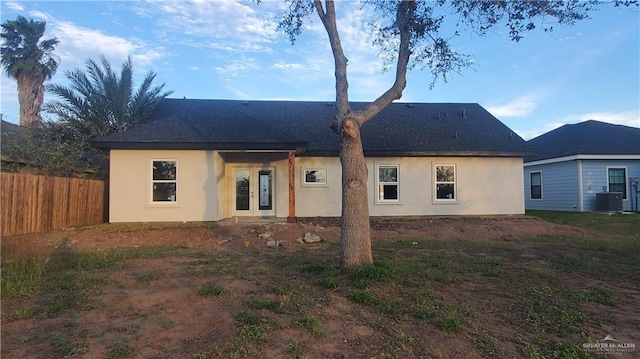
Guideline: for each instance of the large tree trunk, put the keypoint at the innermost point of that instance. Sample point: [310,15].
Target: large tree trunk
[30,98]
[355,241]
[355,235]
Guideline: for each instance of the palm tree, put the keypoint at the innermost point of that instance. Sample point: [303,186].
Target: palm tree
[100,102]
[30,62]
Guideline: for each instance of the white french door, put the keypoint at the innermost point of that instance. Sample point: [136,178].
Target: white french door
[253,192]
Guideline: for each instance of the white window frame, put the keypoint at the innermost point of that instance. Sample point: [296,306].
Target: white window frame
[314,184]
[626,183]
[531,187]
[152,182]
[436,183]
[378,194]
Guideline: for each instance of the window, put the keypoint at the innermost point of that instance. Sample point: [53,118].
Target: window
[164,183]
[314,177]
[388,185]
[445,182]
[536,185]
[617,180]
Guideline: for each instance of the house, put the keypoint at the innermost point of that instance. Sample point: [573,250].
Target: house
[578,165]
[207,160]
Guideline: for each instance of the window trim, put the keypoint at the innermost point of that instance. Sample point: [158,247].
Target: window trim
[436,182]
[531,186]
[314,184]
[376,193]
[151,183]
[624,177]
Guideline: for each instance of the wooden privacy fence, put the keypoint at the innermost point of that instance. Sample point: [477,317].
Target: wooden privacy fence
[31,203]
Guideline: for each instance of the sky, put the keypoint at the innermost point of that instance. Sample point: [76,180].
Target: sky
[232,50]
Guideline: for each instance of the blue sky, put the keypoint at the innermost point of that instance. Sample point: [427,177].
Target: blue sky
[231,50]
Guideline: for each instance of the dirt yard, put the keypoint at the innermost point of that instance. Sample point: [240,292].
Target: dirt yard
[232,235]
[151,309]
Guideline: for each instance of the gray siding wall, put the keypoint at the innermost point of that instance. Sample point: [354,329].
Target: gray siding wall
[594,180]
[559,187]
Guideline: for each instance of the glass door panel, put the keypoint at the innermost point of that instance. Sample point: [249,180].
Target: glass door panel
[265,200]
[243,190]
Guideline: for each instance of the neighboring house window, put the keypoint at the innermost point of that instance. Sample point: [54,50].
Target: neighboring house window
[536,185]
[164,180]
[445,182]
[314,177]
[388,185]
[617,180]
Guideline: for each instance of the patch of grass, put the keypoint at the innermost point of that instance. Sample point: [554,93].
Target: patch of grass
[282,288]
[594,295]
[251,333]
[211,289]
[19,314]
[22,277]
[294,348]
[331,280]
[486,345]
[365,297]
[147,277]
[247,318]
[235,350]
[269,304]
[166,324]
[67,348]
[564,350]
[618,224]
[450,323]
[120,350]
[378,271]
[311,323]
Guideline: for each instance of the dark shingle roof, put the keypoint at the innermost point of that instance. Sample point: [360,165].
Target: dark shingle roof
[401,128]
[586,138]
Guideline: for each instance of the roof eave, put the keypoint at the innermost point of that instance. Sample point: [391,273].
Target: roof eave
[299,147]
[326,153]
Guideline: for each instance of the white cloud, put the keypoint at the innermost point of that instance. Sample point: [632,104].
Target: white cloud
[14,6]
[39,15]
[77,44]
[520,107]
[229,22]
[289,66]
[235,68]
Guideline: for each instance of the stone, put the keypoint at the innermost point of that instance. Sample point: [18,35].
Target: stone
[311,238]
[265,235]
[273,243]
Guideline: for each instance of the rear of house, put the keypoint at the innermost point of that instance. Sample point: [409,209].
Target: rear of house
[207,160]
[577,166]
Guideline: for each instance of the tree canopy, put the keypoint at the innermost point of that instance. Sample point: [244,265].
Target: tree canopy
[29,61]
[100,101]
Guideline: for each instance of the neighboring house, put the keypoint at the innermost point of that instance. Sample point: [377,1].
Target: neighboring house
[574,163]
[206,160]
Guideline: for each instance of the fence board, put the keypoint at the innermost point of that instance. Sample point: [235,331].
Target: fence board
[31,203]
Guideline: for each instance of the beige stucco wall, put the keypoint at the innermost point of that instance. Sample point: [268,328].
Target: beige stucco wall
[485,186]
[198,190]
